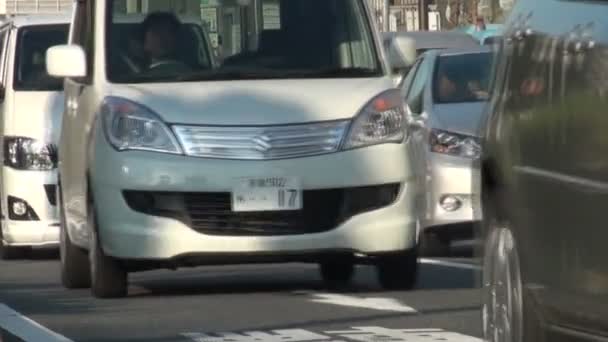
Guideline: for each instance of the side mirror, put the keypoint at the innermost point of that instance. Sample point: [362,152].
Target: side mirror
[417,121]
[402,52]
[66,61]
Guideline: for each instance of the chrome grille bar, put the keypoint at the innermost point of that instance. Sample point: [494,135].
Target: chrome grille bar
[261,143]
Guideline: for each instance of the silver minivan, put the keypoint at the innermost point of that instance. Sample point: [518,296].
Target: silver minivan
[292,148]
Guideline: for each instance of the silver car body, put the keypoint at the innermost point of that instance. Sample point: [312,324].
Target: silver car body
[444,176]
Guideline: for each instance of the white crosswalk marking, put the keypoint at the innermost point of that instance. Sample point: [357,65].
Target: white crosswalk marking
[291,335]
[375,303]
[25,328]
[360,334]
[376,334]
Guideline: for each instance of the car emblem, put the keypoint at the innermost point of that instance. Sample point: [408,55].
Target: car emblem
[262,143]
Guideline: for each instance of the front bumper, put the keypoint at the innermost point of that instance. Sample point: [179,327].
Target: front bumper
[455,177]
[131,234]
[37,190]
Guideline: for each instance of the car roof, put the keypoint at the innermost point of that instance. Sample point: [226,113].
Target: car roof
[39,19]
[465,51]
[436,39]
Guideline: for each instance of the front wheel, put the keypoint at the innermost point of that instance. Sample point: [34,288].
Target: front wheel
[398,271]
[108,278]
[502,288]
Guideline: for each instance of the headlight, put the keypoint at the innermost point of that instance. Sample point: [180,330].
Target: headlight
[381,121]
[29,154]
[454,144]
[130,126]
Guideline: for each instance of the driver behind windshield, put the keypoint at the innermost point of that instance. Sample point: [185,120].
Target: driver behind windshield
[160,34]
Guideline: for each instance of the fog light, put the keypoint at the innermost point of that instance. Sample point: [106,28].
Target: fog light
[450,203]
[19,208]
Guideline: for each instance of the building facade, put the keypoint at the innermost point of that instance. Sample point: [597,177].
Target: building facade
[21,7]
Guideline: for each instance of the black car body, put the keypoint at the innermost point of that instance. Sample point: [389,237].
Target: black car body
[545,176]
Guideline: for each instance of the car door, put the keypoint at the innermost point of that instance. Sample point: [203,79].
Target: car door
[416,98]
[4,57]
[79,96]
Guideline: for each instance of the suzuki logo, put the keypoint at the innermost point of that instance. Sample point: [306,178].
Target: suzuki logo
[262,143]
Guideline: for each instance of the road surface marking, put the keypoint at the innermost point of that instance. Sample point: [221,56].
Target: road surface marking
[361,334]
[374,303]
[453,264]
[25,328]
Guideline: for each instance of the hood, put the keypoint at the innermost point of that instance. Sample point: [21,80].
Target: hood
[259,102]
[463,118]
[36,114]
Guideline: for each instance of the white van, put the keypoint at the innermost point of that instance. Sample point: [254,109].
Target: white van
[293,149]
[30,116]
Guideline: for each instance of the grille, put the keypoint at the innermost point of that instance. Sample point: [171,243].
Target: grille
[261,143]
[51,193]
[210,213]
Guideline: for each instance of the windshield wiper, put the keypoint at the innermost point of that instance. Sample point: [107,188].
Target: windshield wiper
[340,72]
[267,73]
[255,73]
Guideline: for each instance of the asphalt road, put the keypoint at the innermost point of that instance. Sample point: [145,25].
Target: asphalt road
[274,303]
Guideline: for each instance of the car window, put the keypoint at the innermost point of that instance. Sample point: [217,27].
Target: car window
[30,64]
[295,39]
[462,78]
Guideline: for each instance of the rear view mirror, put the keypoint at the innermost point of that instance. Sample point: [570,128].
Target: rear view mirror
[66,61]
[402,52]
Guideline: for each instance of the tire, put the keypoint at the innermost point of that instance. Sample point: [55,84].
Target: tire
[398,271]
[337,273]
[75,270]
[108,278]
[503,308]
[13,253]
[432,245]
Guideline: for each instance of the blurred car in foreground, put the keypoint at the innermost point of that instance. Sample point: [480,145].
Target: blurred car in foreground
[545,176]
[446,94]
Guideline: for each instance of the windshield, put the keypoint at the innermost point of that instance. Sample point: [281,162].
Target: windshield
[251,39]
[462,78]
[30,66]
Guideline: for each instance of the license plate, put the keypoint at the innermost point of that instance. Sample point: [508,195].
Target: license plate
[267,194]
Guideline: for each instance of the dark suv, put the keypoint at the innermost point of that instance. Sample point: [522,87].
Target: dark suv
[545,176]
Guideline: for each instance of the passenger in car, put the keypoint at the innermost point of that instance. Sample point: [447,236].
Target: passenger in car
[447,87]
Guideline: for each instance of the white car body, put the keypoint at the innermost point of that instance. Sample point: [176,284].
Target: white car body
[34,114]
[252,113]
